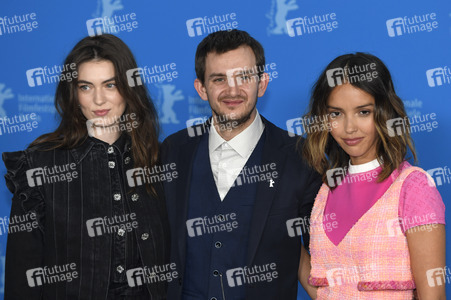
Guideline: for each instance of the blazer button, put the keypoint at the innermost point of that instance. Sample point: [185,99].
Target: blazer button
[110,150]
[111,164]
[135,197]
[144,236]
[213,298]
[127,160]
[121,232]
[218,245]
[117,197]
[215,273]
[221,218]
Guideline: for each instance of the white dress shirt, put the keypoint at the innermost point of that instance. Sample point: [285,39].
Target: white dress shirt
[227,158]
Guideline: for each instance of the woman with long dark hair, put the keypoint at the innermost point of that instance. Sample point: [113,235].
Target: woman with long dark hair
[377,226]
[100,227]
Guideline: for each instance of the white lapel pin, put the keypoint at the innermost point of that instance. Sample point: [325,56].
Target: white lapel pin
[271,183]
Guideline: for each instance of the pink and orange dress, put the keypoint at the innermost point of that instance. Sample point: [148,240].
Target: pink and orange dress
[357,232]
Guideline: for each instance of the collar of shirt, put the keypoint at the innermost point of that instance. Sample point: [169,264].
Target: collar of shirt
[80,152]
[353,169]
[244,143]
[122,143]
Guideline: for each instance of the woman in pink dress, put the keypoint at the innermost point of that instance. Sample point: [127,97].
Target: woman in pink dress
[377,225]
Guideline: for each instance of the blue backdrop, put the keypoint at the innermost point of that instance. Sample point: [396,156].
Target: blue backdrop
[300,38]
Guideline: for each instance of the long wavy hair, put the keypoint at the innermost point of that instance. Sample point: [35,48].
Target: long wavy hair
[72,130]
[322,151]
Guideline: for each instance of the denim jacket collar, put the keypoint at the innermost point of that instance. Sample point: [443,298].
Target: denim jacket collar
[80,152]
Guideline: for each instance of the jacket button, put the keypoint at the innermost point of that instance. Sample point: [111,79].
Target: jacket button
[110,150]
[144,236]
[135,197]
[221,218]
[127,160]
[218,245]
[120,269]
[121,232]
[213,298]
[117,197]
[111,164]
[215,273]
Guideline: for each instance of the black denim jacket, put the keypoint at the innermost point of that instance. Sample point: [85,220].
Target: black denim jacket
[66,197]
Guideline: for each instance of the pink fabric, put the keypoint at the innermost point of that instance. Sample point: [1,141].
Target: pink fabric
[364,258]
[369,285]
[359,192]
[315,281]
[386,285]
[420,203]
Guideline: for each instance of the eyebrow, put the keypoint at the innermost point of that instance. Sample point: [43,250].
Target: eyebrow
[105,81]
[360,106]
[216,75]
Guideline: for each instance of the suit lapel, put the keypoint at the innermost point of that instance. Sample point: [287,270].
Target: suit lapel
[265,193]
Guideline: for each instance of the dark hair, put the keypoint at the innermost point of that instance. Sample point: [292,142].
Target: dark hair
[223,41]
[72,130]
[322,151]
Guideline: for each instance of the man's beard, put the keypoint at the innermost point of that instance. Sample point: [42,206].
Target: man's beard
[226,122]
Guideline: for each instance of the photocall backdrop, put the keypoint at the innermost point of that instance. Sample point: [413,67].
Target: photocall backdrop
[300,38]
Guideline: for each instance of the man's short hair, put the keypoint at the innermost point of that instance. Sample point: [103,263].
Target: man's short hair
[220,42]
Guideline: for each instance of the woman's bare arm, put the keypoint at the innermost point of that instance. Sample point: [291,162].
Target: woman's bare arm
[427,256]
[304,273]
